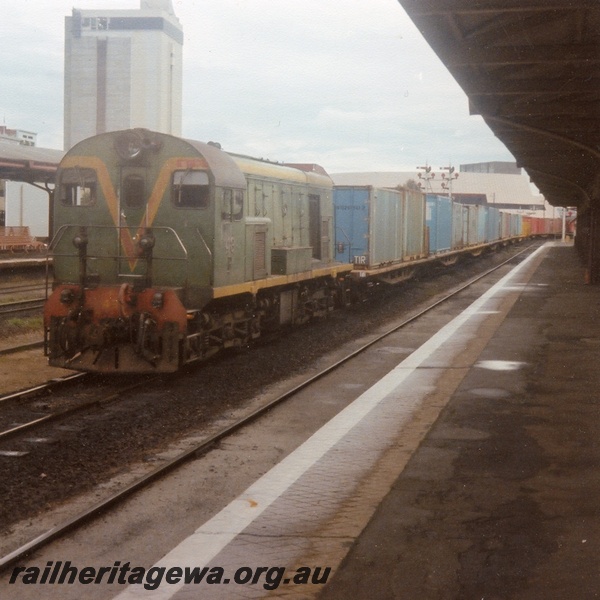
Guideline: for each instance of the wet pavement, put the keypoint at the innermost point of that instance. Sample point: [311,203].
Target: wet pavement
[501,500]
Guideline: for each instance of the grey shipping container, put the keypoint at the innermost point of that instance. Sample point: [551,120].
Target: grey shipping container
[415,243]
[472,225]
[385,231]
[493,224]
[458,226]
[505,225]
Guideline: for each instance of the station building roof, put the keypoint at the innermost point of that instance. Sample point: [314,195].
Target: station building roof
[531,69]
[28,163]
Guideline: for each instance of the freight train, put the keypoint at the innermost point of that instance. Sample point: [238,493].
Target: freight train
[168,250]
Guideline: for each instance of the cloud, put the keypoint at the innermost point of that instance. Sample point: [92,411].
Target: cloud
[346,83]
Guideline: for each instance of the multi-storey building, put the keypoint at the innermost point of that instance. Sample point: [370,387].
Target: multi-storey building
[497,166]
[17,136]
[12,136]
[123,69]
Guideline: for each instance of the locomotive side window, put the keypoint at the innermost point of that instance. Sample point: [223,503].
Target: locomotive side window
[134,191]
[190,189]
[78,187]
[233,205]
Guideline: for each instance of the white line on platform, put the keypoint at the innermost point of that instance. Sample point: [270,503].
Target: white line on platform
[212,537]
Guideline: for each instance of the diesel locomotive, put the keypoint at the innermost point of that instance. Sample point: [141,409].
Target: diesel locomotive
[166,250]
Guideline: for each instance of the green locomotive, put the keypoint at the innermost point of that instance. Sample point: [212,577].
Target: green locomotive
[167,250]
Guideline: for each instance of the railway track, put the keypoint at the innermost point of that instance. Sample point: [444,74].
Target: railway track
[22,306]
[47,387]
[38,288]
[16,301]
[21,348]
[204,446]
[74,405]
[22,298]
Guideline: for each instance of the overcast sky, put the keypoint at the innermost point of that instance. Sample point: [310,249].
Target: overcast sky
[348,84]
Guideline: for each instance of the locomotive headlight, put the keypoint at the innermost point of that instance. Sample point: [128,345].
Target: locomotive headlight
[129,145]
[146,242]
[80,240]
[67,296]
[158,300]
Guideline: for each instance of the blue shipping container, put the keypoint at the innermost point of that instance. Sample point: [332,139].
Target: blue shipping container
[439,223]
[351,206]
[493,225]
[482,224]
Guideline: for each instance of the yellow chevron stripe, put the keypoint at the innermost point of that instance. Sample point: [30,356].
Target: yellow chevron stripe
[112,202]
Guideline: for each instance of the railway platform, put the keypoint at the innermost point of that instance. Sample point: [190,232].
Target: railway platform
[500,501]
[10,263]
[468,471]
[500,498]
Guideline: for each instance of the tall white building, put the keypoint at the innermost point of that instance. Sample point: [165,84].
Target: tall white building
[123,69]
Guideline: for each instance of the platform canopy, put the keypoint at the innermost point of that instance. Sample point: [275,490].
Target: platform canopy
[531,69]
[28,163]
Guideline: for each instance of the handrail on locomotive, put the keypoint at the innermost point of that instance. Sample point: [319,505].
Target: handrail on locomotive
[145,242]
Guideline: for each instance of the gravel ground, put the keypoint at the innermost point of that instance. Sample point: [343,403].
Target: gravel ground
[102,444]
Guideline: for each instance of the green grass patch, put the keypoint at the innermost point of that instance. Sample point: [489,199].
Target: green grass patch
[19,326]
